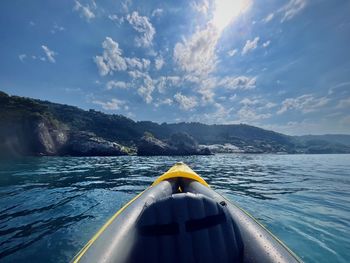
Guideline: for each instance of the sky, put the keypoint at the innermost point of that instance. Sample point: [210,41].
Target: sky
[282,65]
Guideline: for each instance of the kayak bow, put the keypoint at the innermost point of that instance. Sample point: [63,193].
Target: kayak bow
[179,218]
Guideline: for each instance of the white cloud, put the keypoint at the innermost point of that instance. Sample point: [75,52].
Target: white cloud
[136,74]
[269,105]
[185,102]
[305,103]
[22,57]
[250,45]
[240,82]
[56,28]
[146,63]
[159,62]
[258,103]
[292,8]
[166,101]
[126,4]
[192,78]
[232,52]
[344,103]
[113,104]
[227,11]
[233,97]
[140,64]
[93,4]
[111,59]
[207,95]
[116,19]
[220,115]
[247,114]
[145,83]
[85,11]
[201,6]
[268,18]
[142,25]
[206,89]
[174,80]
[247,101]
[196,55]
[103,68]
[167,81]
[340,87]
[266,44]
[254,109]
[117,85]
[49,54]
[157,12]
[145,91]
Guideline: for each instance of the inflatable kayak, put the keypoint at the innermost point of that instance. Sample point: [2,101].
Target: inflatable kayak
[179,218]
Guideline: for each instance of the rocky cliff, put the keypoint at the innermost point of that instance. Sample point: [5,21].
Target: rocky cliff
[32,135]
[88,144]
[40,137]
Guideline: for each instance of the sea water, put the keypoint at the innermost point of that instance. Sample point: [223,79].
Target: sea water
[51,206]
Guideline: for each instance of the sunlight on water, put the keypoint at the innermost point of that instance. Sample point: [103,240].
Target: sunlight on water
[50,207]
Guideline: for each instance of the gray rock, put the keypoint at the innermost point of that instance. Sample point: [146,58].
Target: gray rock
[35,135]
[88,144]
[49,139]
[150,146]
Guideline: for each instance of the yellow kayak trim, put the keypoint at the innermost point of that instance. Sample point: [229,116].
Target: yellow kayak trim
[180,170]
[96,236]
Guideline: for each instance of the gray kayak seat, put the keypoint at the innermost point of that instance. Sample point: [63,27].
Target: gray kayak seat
[186,227]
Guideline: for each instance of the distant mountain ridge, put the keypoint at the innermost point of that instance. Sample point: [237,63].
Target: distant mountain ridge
[332,138]
[36,127]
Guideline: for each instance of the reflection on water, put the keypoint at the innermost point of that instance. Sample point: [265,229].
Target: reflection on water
[50,207]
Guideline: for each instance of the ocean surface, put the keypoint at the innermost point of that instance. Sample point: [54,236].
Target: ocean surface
[51,206]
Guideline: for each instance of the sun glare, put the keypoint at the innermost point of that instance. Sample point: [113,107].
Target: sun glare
[228,10]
